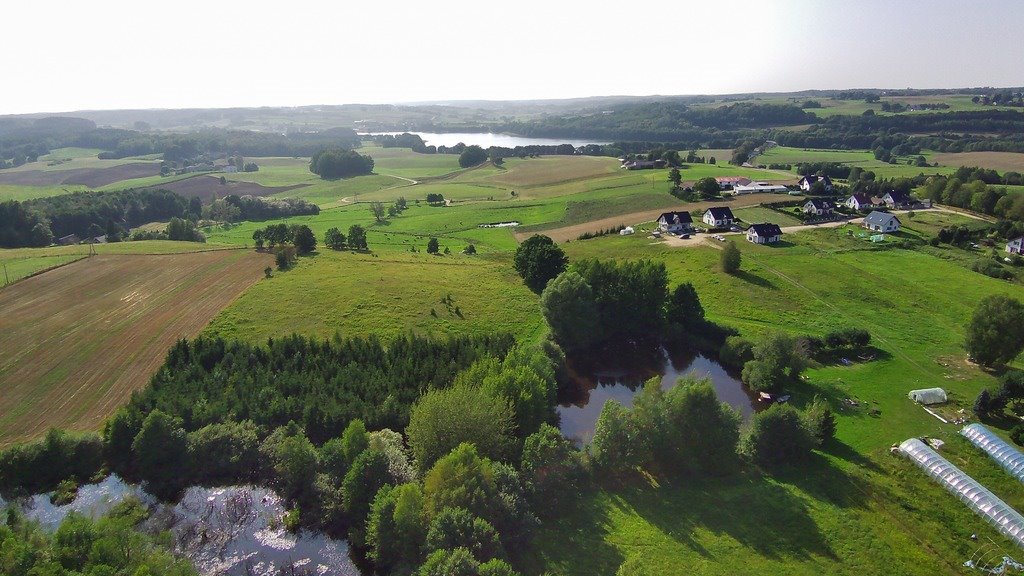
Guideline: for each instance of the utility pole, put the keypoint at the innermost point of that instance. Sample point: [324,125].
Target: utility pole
[6,279]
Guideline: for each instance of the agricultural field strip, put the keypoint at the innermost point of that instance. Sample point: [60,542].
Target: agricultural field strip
[125,311]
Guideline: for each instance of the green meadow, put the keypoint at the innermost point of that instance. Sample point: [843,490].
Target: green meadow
[855,509]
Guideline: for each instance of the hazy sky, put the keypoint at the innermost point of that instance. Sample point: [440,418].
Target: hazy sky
[69,55]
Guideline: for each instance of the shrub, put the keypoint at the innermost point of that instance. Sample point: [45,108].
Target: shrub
[1017,434]
[731,258]
[777,436]
[736,352]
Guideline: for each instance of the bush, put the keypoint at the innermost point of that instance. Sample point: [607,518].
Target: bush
[736,352]
[538,260]
[820,420]
[1017,434]
[731,258]
[777,436]
[472,156]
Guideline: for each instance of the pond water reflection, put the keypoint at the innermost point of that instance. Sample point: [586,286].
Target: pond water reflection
[620,378]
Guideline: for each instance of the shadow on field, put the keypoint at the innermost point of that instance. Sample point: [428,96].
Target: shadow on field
[582,540]
[755,280]
[754,510]
[824,481]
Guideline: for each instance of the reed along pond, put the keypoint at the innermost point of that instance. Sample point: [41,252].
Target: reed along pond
[608,376]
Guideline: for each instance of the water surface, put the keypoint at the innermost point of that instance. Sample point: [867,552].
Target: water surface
[620,377]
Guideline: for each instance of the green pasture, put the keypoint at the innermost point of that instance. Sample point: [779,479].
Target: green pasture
[854,158]
[385,294]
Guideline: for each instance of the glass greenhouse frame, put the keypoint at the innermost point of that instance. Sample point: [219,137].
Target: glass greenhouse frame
[1000,450]
[967,489]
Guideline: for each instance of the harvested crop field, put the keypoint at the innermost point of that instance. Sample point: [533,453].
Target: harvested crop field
[78,340]
[551,170]
[91,177]
[1001,161]
[209,187]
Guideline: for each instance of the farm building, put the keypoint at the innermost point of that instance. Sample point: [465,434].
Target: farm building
[858,202]
[896,199]
[759,187]
[1008,457]
[644,164]
[1015,246]
[928,396]
[819,207]
[764,233]
[68,240]
[718,217]
[675,222]
[978,498]
[728,182]
[879,221]
[808,181]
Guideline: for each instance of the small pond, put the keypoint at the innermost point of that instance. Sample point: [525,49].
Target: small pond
[620,378]
[487,139]
[234,530]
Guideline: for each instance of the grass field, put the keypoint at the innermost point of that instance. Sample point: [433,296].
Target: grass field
[757,214]
[854,158]
[853,510]
[79,339]
[857,509]
[1001,161]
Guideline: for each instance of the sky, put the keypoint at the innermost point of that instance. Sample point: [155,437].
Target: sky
[72,55]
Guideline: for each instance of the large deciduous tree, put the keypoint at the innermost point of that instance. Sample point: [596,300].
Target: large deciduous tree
[339,163]
[539,260]
[472,156]
[443,419]
[995,334]
[568,306]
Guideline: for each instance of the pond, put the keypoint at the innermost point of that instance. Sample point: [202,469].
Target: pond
[234,530]
[622,377]
[486,139]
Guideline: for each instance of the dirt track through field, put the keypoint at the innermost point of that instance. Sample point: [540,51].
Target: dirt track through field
[572,232]
[78,340]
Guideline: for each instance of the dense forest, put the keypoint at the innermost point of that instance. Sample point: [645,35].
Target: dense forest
[25,139]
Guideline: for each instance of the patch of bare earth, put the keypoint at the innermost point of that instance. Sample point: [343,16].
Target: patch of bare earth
[209,187]
[78,340]
[91,177]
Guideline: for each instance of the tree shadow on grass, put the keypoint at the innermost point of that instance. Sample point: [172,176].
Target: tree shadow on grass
[756,511]
[825,481]
[755,280]
[575,540]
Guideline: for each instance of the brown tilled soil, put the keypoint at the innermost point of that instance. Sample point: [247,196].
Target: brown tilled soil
[76,341]
[209,187]
[91,177]
[572,232]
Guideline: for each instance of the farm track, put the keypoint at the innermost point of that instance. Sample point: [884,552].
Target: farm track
[80,339]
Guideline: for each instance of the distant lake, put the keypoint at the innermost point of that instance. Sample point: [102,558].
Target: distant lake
[622,377]
[486,139]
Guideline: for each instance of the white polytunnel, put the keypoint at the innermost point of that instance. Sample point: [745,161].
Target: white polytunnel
[967,489]
[1000,450]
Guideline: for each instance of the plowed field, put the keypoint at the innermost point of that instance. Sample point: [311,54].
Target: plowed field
[75,342]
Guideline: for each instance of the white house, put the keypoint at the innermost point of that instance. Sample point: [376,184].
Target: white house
[675,222]
[718,217]
[764,233]
[818,207]
[1015,246]
[879,221]
[896,199]
[759,187]
[727,182]
[858,202]
[808,181]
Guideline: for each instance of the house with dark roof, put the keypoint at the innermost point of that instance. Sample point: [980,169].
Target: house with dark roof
[819,207]
[858,201]
[718,217]
[807,181]
[765,233]
[896,199]
[68,240]
[1015,246]
[879,221]
[675,222]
